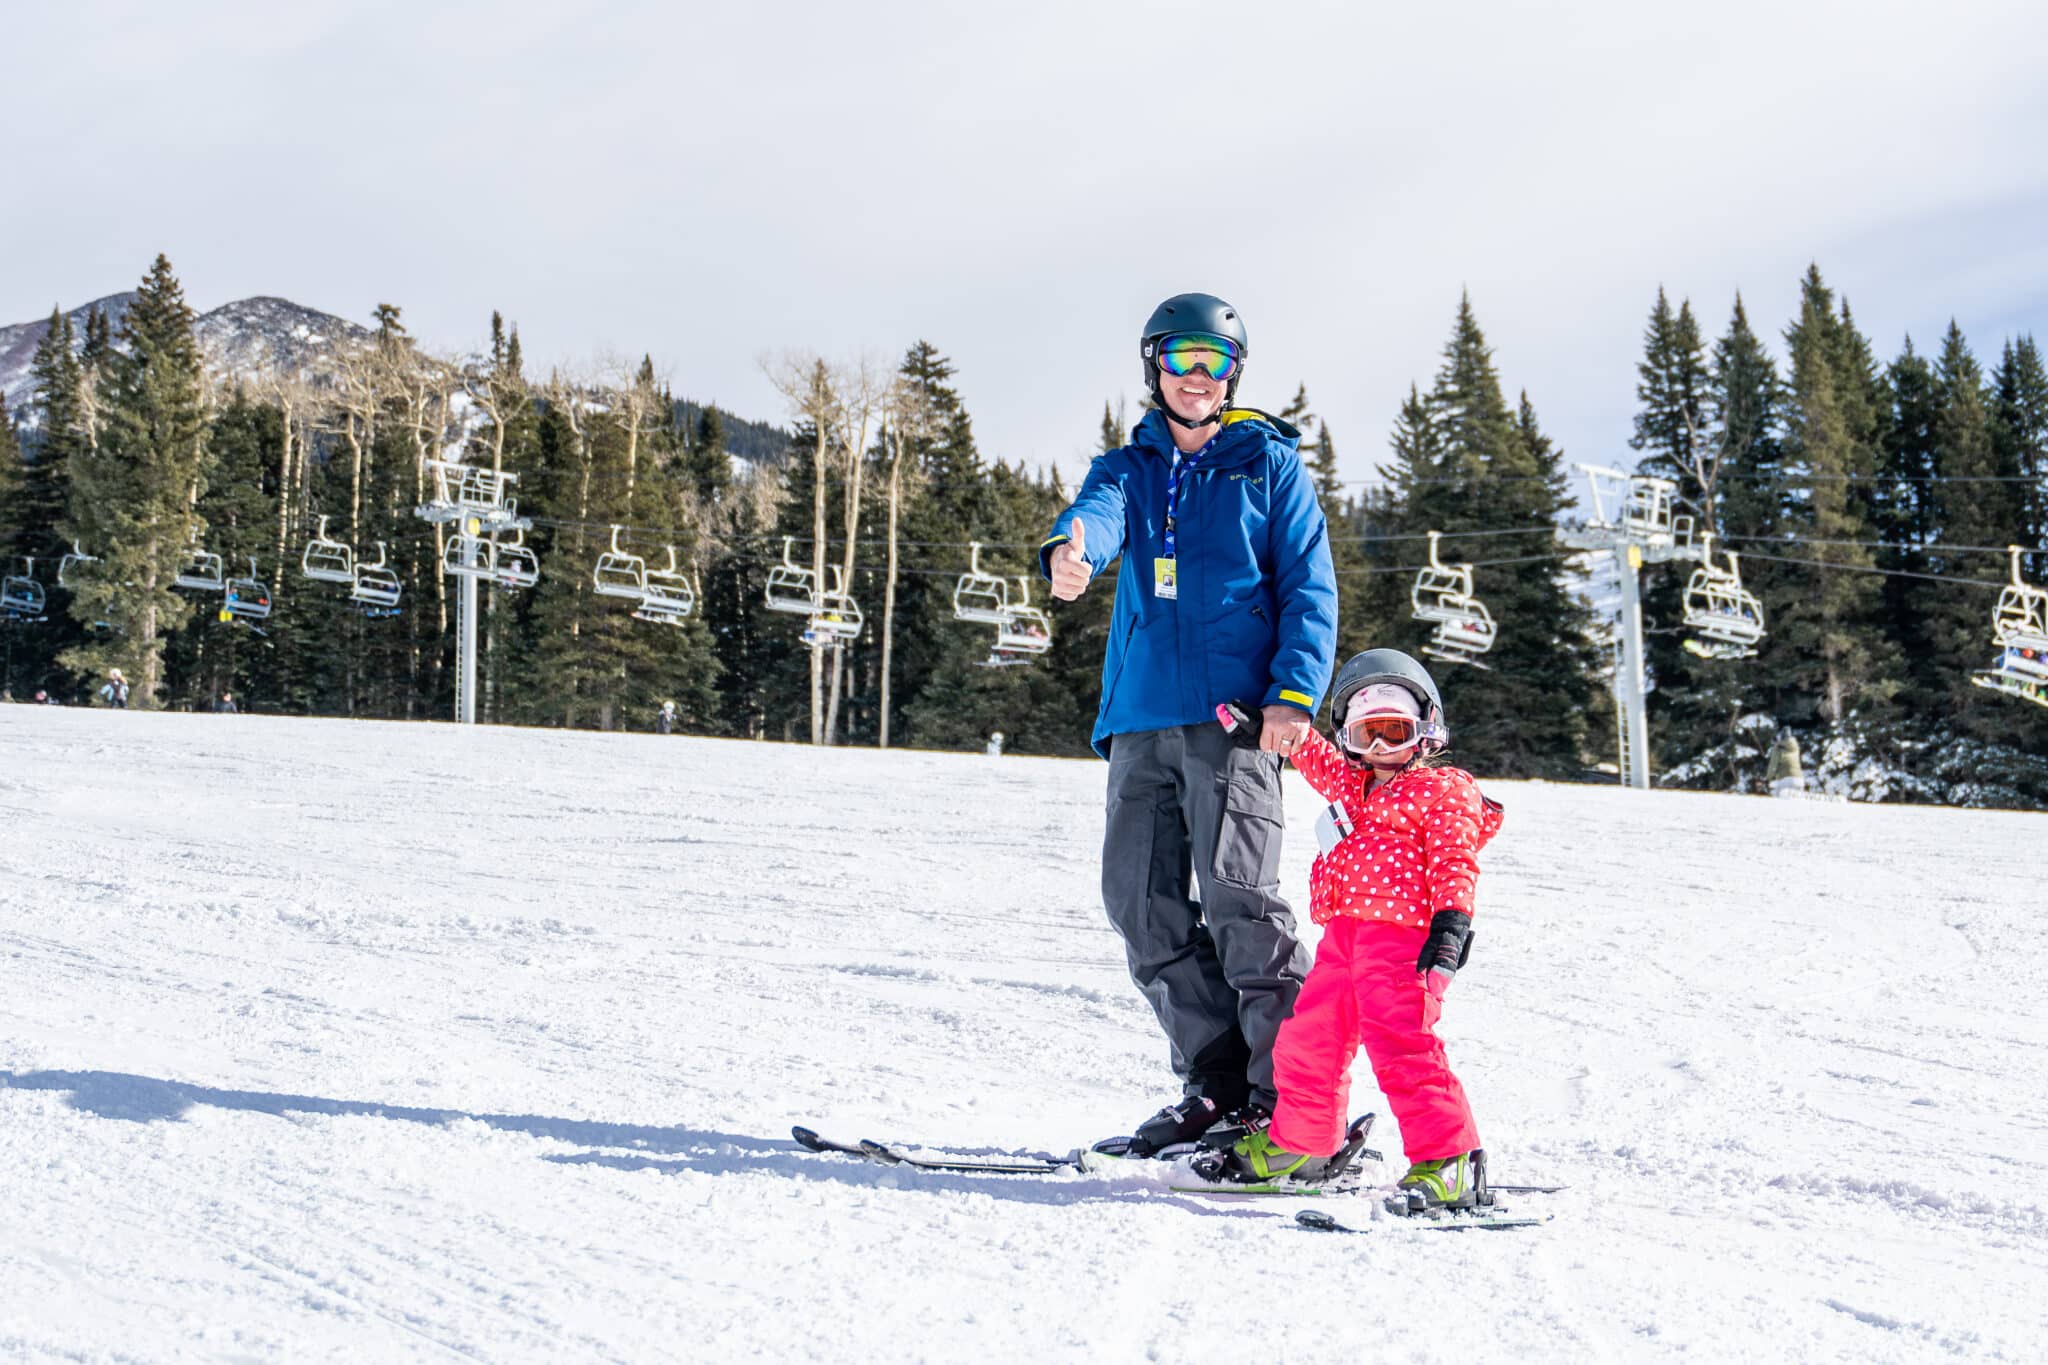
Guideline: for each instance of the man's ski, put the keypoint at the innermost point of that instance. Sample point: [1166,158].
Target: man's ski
[1488,1220]
[887,1154]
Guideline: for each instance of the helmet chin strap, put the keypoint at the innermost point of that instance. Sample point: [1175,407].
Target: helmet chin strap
[1213,419]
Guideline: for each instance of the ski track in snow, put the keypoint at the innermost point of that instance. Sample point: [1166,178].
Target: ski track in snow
[327,1040]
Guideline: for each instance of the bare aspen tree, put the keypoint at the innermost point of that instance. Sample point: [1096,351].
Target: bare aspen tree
[360,386]
[296,400]
[426,386]
[496,393]
[863,391]
[569,398]
[909,418]
[636,405]
[1702,460]
[806,384]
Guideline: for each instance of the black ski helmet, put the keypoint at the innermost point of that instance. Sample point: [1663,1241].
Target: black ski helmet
[1192,313]
[1390,666]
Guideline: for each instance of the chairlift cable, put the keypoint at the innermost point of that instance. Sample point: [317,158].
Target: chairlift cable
[1883,573]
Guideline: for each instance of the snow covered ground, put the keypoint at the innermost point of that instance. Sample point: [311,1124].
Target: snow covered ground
[330,1040]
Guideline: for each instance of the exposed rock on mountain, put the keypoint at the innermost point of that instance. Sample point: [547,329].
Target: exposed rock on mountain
[246,338]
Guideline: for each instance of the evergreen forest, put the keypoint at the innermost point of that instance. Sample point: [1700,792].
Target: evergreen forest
[1870,504]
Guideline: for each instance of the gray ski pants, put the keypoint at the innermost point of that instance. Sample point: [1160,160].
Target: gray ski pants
[1221,973]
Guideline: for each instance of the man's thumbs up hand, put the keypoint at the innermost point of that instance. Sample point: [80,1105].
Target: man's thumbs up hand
[1070,571]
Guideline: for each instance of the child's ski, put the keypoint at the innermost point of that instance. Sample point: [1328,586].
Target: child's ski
[1490,1220]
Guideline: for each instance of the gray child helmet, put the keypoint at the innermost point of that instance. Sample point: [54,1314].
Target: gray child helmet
[1193,313]
[1390,666]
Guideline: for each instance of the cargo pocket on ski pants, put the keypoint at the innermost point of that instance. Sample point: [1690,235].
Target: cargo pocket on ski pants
[1248,842]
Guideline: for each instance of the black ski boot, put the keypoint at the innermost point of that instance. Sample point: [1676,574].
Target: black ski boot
[1248,1118]
[1174,1126]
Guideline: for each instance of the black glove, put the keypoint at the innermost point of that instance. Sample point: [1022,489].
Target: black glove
[1449,944]
[1241,722]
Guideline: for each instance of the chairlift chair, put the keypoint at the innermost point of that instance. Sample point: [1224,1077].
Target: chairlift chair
[1727,616]
[202,572]
[1634,503]
[374,587]
[1442,595]
[512,564]
[466,555]
[1462,637]
[328,561]
[2020,670]
[1437,584]
[1648,511]
[669,595]
[469,487]
[248,599]
[2019,626]
[791,587]
[619,574]
[21,596]
[71,564]
[834,610]
[1024,629]
[979,596]
[2021,616]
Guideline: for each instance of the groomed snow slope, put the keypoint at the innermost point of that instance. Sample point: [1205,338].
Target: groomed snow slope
[330,1040]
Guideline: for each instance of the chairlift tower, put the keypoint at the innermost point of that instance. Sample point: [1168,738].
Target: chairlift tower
[475,500]
[1630,516]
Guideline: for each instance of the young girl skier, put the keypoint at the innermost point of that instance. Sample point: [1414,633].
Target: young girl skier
[1394,893]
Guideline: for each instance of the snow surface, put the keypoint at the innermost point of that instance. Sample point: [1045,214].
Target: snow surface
[327,1040]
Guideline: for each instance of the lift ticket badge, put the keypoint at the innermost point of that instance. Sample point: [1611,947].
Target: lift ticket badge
[1165,581]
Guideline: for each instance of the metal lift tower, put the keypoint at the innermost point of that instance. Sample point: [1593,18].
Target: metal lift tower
[1630,515]
[475,500]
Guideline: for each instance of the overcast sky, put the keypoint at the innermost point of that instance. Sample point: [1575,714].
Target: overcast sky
[1020,184]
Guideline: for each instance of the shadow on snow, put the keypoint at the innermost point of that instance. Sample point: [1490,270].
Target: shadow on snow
[672,1151]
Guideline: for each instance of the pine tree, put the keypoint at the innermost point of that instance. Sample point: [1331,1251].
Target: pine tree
[2020,434]
[708,463]
[1466,463]
[1672,386]
[1820,650]
[1745,413]
[1114,435]
[1904,509]
[1297,413]
[1970,510]
[132,498]
[1690,699]
[210,656]
[34,530]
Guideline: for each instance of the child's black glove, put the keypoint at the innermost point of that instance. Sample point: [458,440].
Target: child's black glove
[1449,944]
[1241,722]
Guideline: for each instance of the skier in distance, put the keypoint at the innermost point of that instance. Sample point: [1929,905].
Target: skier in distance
[1394,891]
[1225,592]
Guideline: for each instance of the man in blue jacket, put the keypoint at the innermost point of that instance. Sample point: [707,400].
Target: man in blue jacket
[1225,594]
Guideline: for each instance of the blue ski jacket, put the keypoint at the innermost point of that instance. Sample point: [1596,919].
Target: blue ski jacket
[1255,615]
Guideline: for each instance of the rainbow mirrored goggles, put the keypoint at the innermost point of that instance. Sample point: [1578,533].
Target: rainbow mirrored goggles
[1217,357]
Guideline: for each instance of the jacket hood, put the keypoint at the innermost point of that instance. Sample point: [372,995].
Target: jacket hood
[1242,432]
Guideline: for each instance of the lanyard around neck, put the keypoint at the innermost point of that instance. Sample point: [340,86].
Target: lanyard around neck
[1182,466]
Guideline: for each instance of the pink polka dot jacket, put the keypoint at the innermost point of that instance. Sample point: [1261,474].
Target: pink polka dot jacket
[1414,844]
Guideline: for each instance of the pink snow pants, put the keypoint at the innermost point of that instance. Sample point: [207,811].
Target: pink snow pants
[1364,989]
